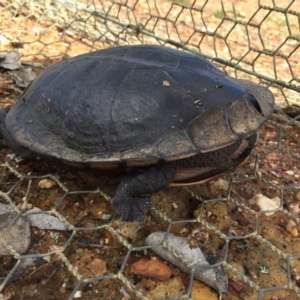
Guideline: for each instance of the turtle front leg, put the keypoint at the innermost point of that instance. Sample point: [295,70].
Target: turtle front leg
[131,200]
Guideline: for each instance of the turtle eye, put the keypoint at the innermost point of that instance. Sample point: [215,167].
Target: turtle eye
[254,102]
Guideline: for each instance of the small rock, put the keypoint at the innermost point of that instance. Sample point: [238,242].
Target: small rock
[200,291]
[291,228]
[166,289]
[200,234]
[148,284]
[174,205]
[220,184]
[298,196]
[46,183]
[128,229]
[4,208]
[18,235]
[185,280]
[97,267]
[289,172]
[77,295]
[238,286]
[243,221]
[151,268]
[8,294]
[265,203]
[295,207]
[87,265]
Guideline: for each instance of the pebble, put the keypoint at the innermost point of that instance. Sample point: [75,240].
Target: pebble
[220,184]
[97,267]
[200,291]
[289,172]
[46,183]
[8,294]
[151,268]
[185,280]
[77,295]
[17,236]
[129,230]
[166,289]
[238,286]
[298,196]
[243,221]
[265,203]
[291,228]
[295,207]
[87,265]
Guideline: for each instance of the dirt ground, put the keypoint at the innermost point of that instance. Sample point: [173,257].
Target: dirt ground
[226,205]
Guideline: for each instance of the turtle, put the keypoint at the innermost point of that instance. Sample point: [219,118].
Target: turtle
[161,116]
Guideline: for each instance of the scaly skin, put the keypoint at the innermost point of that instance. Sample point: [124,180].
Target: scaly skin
[130,200]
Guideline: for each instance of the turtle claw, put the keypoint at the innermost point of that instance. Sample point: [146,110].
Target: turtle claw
[132,209]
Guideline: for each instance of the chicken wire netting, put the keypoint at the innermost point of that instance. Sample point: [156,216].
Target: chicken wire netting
[248,220]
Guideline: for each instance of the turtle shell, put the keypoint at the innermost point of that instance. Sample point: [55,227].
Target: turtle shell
[135,105]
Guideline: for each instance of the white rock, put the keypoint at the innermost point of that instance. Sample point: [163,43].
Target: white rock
[295,208]
[291,228]
[265,203]
[46,183]
[220,184]
[77,294]
[289,172]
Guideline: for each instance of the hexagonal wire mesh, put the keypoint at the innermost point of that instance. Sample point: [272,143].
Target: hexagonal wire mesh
[256,40]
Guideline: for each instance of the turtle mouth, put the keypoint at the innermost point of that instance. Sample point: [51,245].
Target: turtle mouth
[245,144]
[193,176]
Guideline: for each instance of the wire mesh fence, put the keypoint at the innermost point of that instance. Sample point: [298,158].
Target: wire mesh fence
[257,244]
